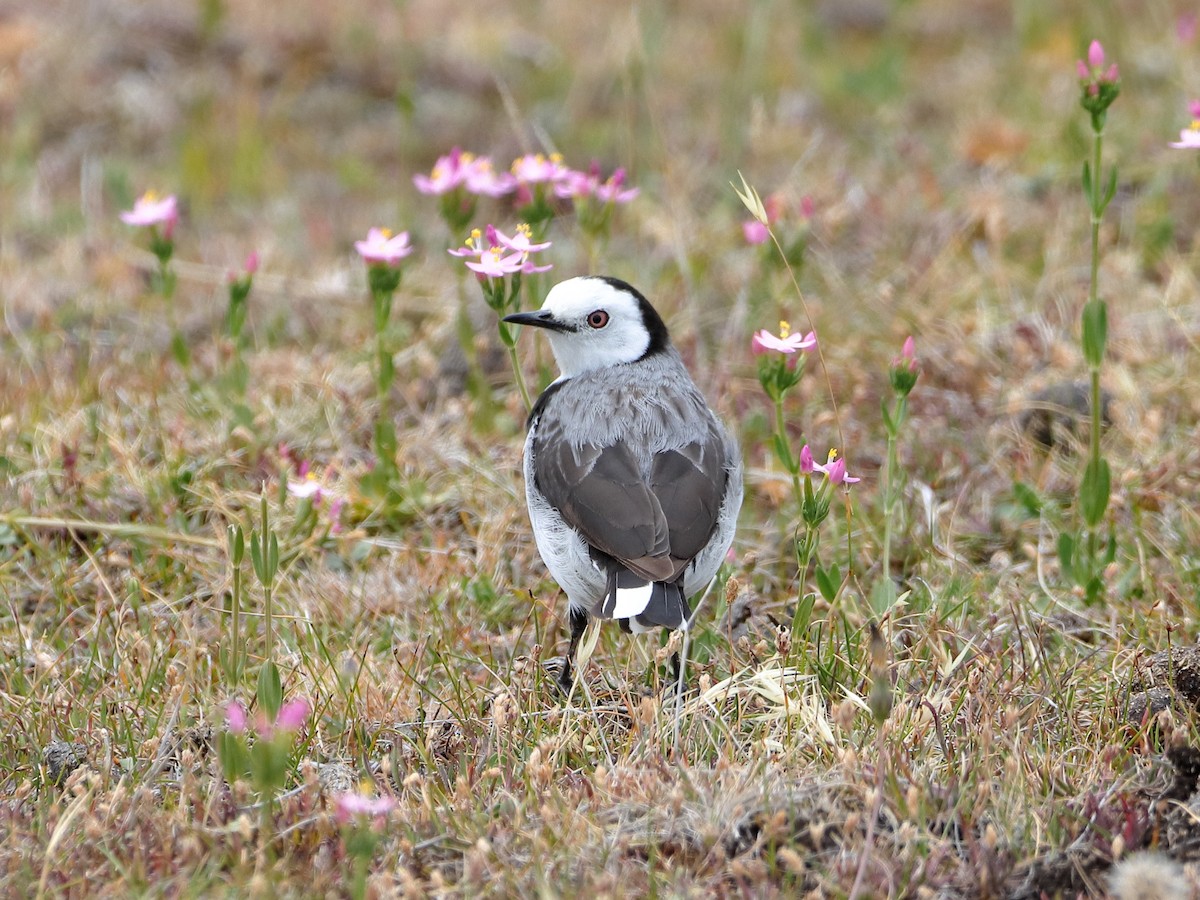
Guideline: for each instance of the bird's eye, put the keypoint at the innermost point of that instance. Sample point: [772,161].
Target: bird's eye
[598,318]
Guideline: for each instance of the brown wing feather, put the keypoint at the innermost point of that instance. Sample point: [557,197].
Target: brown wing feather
[601,494]
[654,528]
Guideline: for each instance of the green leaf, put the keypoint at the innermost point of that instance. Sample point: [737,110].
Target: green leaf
[1111,190]
[233,756]
[256,556]
[828,581]
[1028,498]
[1066,554]
[888,424]
[237,544]
[883,595]
[270,689]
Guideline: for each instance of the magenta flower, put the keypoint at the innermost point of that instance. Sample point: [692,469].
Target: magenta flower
[352,805]
[235,717]
[835,470]
[807,464]
[293,715]
[383,248]
[1093,72]
[251,265]
[907,360]
[755,232]
[493,254]
[786,342]
[150,211]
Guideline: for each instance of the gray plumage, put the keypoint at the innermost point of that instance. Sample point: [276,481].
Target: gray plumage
[633,484]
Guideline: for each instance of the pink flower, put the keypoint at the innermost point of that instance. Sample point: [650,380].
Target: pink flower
[293,715]
[382,247]
[1189,138]
[808,208]
[493,254]
[335,515]
[755,232]
[807,464]
[1093,70]
[251,265]
[308,488]
[521,241]
[907,359]
[613,191]
[786,342]
[449,172]
[235,717]
[150,211]
[576,185]
[835,470]
[352,805]
[493,264]
[484,180]
[535,168]
[1185,28]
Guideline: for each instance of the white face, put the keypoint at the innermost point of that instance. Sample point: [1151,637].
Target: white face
[607,326]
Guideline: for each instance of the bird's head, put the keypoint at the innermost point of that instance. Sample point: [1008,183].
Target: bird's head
[595,322]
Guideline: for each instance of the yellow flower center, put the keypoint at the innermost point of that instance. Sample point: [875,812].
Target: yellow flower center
[386,232]
[525,229]
[1195,126]
[833,454]
[784,329]
[150,197]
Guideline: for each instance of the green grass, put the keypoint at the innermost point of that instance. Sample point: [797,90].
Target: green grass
[941,145]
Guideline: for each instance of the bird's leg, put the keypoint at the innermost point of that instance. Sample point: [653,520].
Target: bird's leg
[676,658]
[579,623]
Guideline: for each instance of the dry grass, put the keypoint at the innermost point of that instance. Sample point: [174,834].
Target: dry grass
[940,142]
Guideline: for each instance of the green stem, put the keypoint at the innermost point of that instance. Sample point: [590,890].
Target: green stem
[785,453]
[891,483]
[516,367]
[1093,298]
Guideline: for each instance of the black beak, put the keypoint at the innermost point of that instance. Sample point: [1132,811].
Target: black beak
[541,318]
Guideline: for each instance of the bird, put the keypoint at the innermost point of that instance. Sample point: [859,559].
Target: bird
[633,483]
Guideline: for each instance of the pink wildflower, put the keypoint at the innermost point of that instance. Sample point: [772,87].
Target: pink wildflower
[382,247]
[536,168]
[807,464]
[786,342]
[149,211]
[352,805]
[835,470]
[235,717]
[293,715]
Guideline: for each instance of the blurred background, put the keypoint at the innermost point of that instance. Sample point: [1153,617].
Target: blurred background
[924,157]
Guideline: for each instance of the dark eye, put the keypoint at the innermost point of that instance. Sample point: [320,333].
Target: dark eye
[597,319]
